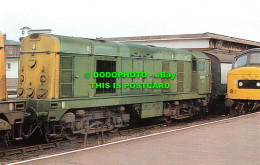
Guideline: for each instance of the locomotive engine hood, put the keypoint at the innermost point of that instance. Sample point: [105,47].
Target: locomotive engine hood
[247,71]
[39,65]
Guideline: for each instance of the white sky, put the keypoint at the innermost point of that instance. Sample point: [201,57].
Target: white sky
[118,18]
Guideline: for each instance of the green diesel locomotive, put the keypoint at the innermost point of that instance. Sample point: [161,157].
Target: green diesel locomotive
[76,85]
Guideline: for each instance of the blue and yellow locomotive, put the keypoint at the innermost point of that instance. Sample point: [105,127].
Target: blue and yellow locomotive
[243,86]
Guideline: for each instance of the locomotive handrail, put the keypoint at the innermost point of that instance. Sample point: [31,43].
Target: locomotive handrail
[36,52]
[151,58]
[104,55]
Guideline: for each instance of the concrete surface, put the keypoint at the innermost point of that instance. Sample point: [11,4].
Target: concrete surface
[235,142]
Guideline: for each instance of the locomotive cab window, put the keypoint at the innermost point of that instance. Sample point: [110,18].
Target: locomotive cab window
[254,58]
[103,84]
[240,61]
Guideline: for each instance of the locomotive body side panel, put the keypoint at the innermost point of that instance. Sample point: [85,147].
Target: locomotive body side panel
[201,72]
[81,84]
[78,55]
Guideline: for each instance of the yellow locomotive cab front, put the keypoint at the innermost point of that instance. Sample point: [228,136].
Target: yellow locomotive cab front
[244,83]
[39,69]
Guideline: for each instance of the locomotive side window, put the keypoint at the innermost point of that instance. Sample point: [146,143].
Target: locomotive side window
[240,61]
[105,66]
[194,65]
[254,58]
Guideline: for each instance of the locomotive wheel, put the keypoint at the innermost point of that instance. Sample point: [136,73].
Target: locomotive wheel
[233,112]
[167,119]
[45,133]
[114,130]
[70,136]
[5,139]
[244,109]
[46,137]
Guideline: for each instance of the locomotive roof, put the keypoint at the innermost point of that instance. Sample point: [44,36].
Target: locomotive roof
[101,47]
[223,58]
[250,50]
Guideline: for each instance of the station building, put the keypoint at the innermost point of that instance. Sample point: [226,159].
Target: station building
[12,56]
[224,47]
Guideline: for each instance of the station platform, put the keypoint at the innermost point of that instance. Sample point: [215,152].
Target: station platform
[235,141]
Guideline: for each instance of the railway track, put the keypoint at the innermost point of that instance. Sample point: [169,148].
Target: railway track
[96,139]
[91,141]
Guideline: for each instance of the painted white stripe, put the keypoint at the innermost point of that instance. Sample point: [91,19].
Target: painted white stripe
[103,145]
